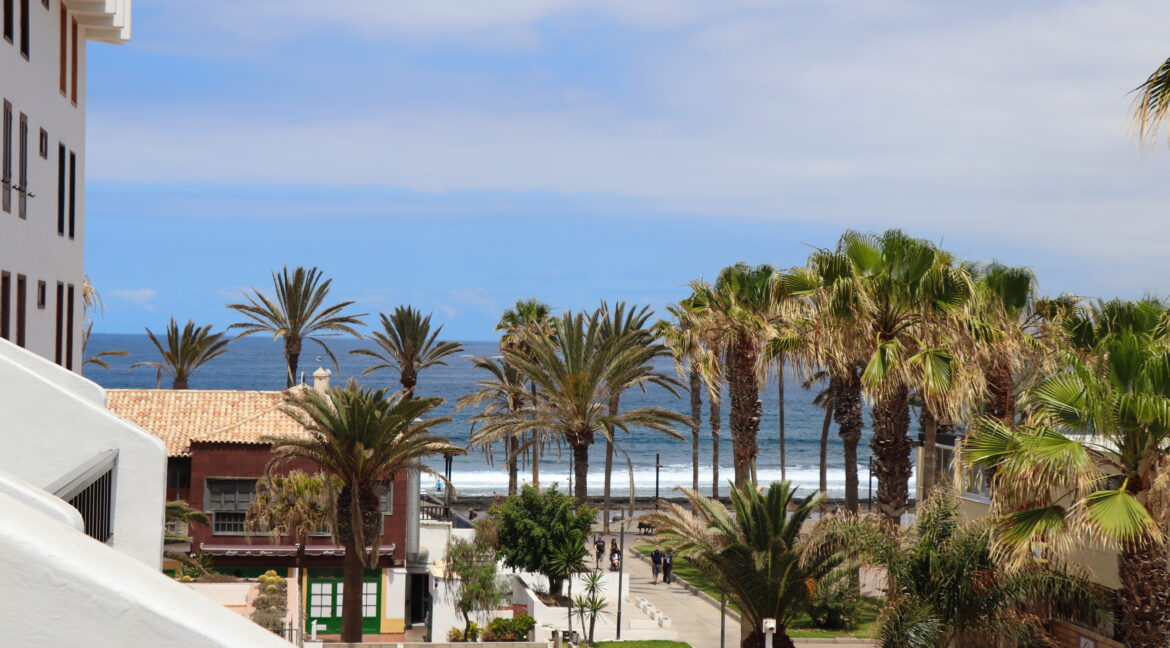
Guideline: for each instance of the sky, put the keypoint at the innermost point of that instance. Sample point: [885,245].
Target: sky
[458,155]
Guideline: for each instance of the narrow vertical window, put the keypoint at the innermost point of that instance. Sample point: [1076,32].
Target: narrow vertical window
[73,61]
[64,45]
[61,189]
[21,308]
[60,321]
[6,172]
[5,305]
[42,295]
[9,20]
[22,169]
[24,28]
[44,144]
[69,328]
[72,193]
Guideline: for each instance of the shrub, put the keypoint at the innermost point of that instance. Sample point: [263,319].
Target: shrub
[216,577]
[835,606]
[514,629]
[456,635]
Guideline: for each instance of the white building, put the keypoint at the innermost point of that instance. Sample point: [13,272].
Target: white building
[42,167]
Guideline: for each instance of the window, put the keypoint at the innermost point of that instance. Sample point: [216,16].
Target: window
[943,458]
[64,45]
[24,28]
[228,501]
[69,327]
[22,169]
[46,3]
[21,309]
[6,172]
[5,305]
[978,483]
[61,189]
[42,295]
[73,62]
[9,19]
[388,498]
[72,193]
[57,354]
[44,144]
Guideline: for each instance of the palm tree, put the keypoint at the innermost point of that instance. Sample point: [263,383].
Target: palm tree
[527,317]
[680,338]
[362,438]
[739,310]
[293,506]
[945,586]
[408,345]
[573,375]
[1091,464]
[185,351]
[756,554]
[505,391]
[823,400]
[91,301]
[628,325]
[179,512]
[902,292]
[1151,108]
[298,313]
[99,358]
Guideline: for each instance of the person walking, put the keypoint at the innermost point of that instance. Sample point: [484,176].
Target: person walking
[599,547]
[667,566]
[655,564]
[615,556]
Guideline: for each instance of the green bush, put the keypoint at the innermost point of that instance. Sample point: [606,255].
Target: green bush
[514,629]
[835,607]
[455,635]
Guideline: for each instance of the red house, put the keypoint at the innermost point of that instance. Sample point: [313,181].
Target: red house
[217,449]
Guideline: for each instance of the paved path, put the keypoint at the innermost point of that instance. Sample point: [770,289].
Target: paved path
[695,619]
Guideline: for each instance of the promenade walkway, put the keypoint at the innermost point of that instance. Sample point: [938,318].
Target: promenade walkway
[695,619]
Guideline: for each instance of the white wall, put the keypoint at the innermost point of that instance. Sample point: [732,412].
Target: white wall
[52,425]
[62,588]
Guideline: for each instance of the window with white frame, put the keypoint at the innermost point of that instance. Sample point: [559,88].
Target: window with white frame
[978,483]
[387,495]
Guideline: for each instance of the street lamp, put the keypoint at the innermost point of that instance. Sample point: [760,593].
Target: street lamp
[621,572]
[657,467]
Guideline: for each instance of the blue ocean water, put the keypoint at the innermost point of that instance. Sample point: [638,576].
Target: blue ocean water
[257,362]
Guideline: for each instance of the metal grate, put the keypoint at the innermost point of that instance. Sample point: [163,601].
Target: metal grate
[95,503]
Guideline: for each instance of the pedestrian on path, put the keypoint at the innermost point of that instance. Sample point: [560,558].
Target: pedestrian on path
[655,564]
[667,566]
[599,547]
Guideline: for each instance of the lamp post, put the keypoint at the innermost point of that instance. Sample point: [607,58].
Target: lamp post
[447,461]
[871,483]
[722,618]
[621,572]
[657,467]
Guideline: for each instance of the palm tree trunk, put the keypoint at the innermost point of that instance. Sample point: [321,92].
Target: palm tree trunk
[745,409]
[1001,403]
[408,380]
[535,449]
[696,422]
[825,445]
[716,422]
[292,356]
[891,451]
[581,468]
[180,382]
[1145,595]
[351,598]
[511,446]
[780,393]
[846,388]
[929,442]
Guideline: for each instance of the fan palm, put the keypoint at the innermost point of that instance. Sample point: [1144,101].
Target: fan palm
[1151,108]
[292,506]
[946,587]
[298,313]
[361,438]
[628,325]
[505,391]
[757,555]
[739,310]
[407,344]
[1092,463]
[526,318]
[574,375]
[903,291]
[184,352]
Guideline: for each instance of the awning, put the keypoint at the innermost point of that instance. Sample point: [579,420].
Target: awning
[251,551]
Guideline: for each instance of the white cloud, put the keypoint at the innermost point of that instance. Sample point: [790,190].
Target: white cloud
[141,297]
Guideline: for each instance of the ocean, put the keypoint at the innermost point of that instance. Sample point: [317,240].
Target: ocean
[257,362]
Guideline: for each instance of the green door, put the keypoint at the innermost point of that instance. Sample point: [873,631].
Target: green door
[324,605]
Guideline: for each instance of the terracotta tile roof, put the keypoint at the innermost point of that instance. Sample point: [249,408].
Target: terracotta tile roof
[180,416]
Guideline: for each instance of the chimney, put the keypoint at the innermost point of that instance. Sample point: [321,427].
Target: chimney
[321,379]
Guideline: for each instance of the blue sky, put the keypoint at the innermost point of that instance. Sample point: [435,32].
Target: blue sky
[459,155]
